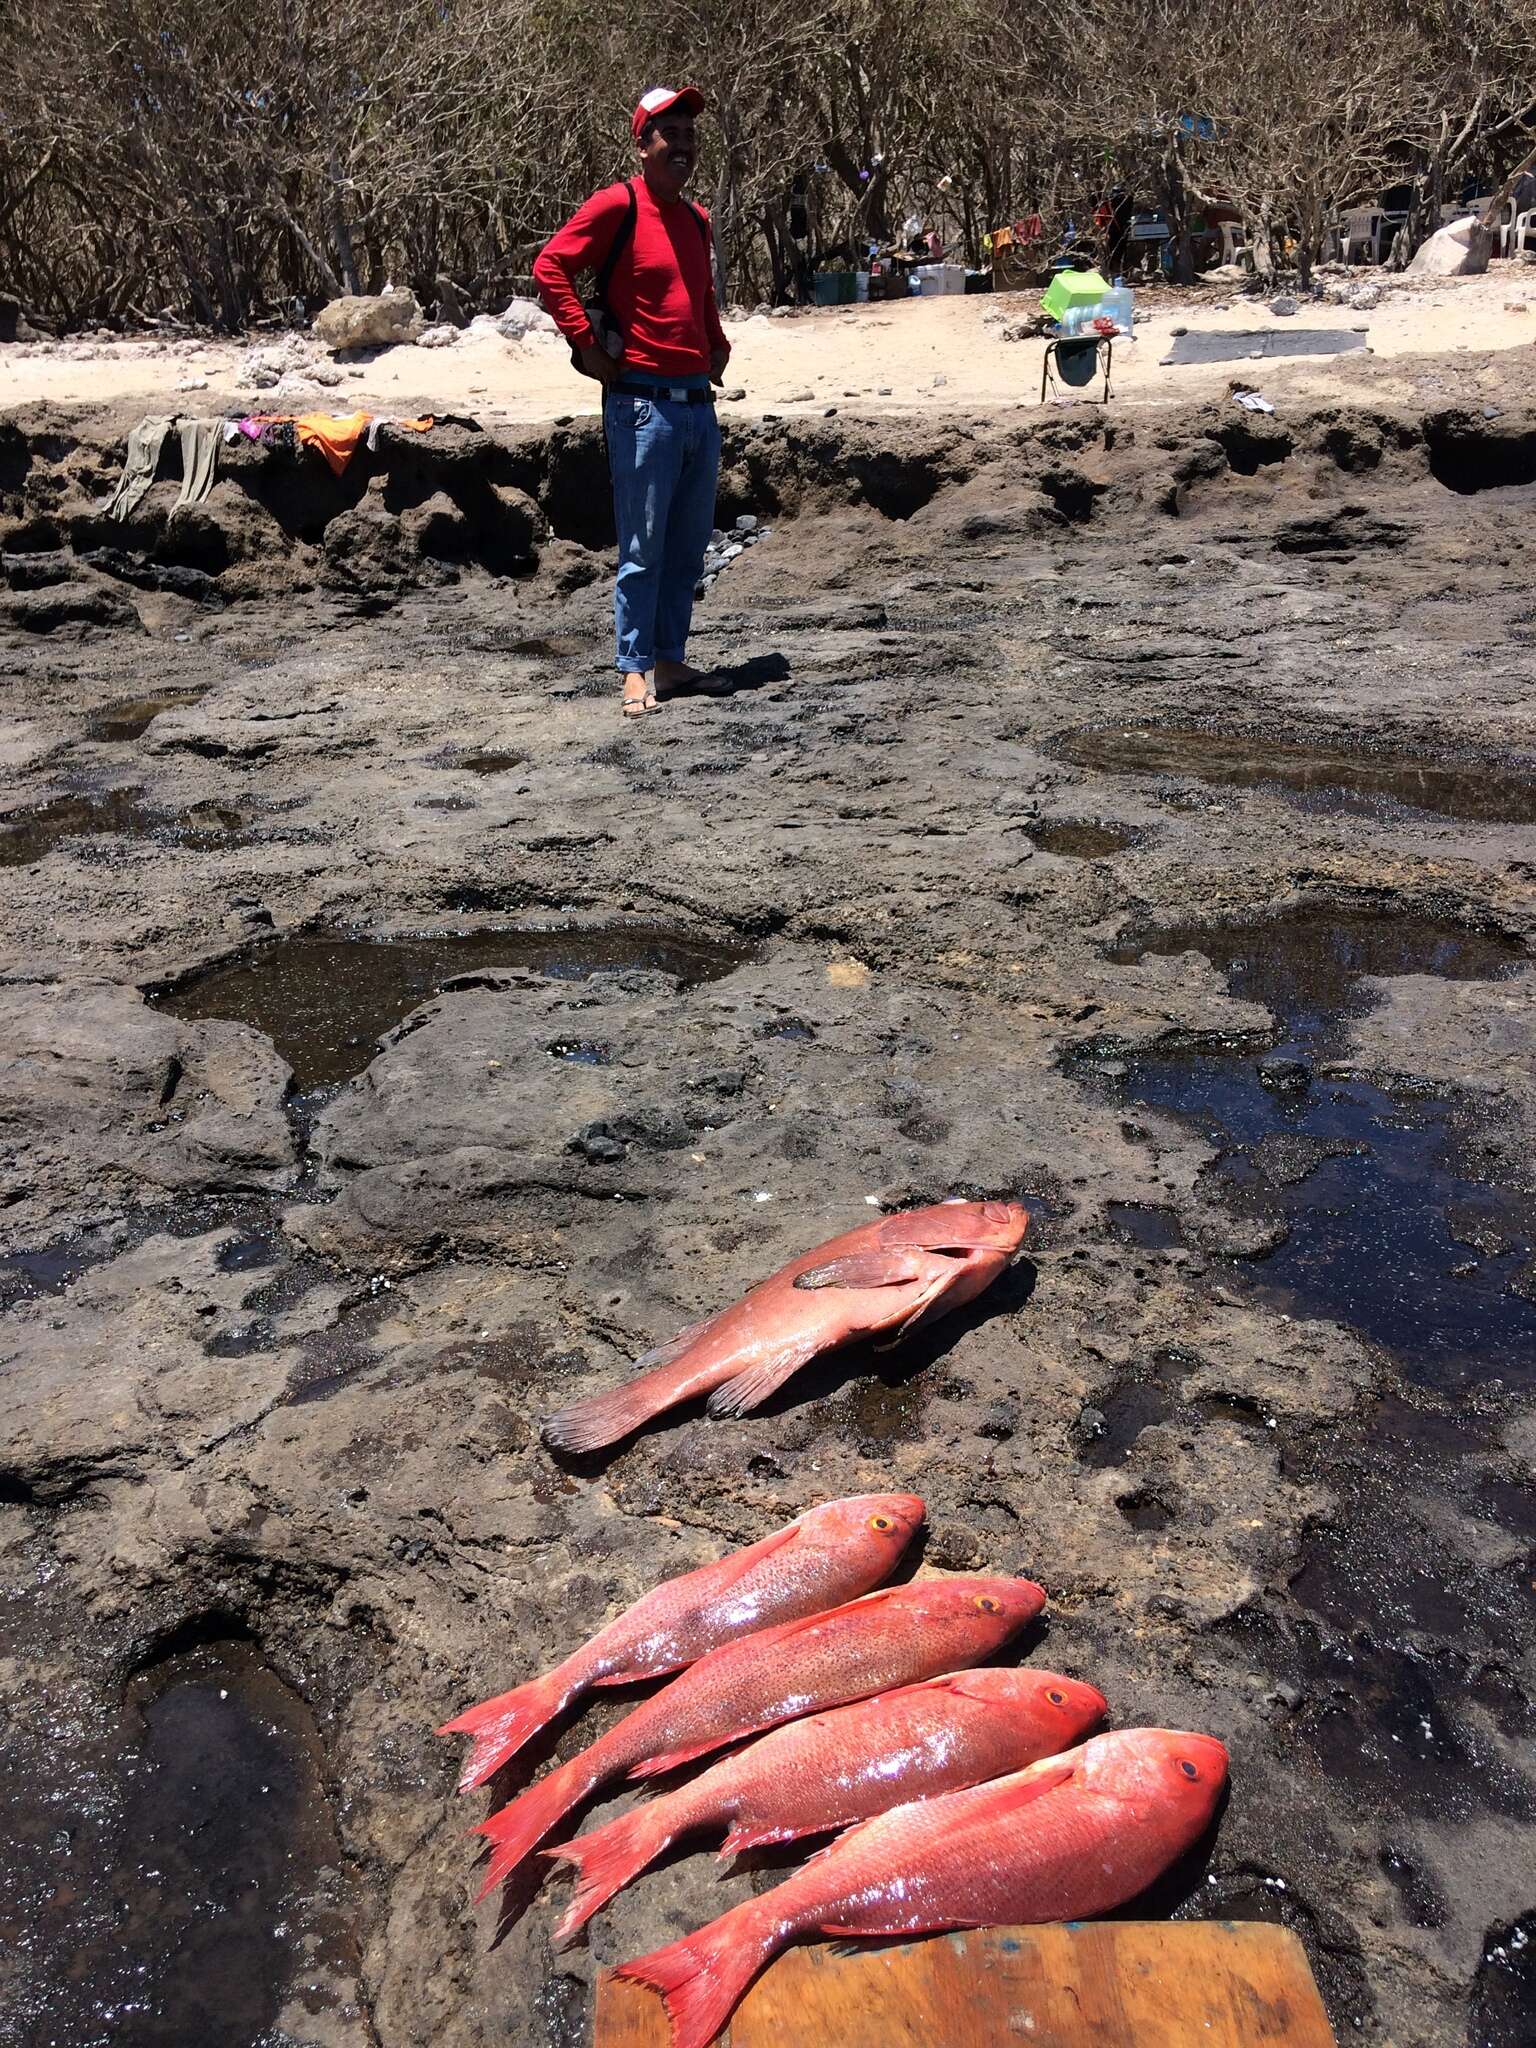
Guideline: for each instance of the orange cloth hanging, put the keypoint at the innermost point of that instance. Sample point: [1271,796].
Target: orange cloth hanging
[336,436]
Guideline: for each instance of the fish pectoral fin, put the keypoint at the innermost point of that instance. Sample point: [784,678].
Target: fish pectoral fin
[929,1302]
[751,1388]
[863,1269]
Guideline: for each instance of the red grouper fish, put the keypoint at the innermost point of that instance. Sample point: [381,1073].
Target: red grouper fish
[878,1281]
[1065,1839]
[892,1637]
[829,1555]
[847,1765]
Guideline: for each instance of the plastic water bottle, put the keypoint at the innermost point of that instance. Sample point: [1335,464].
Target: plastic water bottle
[1119,305]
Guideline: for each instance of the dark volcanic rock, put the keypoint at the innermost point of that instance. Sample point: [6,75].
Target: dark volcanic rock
[99,1092]
[280,1384]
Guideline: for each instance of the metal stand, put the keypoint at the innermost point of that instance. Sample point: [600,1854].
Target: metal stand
[1104,357]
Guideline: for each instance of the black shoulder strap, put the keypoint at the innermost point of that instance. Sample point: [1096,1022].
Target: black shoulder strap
[698,215]
[620,243]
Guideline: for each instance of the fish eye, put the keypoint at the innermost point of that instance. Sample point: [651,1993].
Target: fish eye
[1188,1768]
[881,1522]
[1056,1697]
[987,1604]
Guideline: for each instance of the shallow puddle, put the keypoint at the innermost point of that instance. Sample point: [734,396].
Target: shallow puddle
[1079,839]
[131,716]
[29,836]
[560,648]
[486,761]
[1327,778]
[1383,1229]
[199,1887]
[1107,1432]
[1149,1228]
[1504,1994]
[325,998]
[877,1413]
[1308,966]
[1394,1647]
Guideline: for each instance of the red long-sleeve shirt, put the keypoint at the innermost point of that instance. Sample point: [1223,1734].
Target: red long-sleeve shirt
[662,292]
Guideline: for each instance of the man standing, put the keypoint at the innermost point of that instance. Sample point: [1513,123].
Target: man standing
[658,407]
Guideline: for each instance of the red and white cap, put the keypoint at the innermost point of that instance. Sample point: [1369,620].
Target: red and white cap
[660,99]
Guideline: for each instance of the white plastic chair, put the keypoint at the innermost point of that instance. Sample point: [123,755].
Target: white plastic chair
[1360,233]
[1521,235]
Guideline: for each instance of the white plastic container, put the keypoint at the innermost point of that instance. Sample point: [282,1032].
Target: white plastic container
[861,287]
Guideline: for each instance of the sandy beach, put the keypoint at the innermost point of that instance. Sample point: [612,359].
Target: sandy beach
[949,354]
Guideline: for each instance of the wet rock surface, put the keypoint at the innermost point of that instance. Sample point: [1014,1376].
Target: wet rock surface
[303,1230]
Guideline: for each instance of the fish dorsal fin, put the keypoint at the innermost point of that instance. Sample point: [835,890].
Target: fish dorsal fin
[1007,1795]
[730,1572]
[891,1268]
[734,1569]
[946,1227]
[673,1349]
[785,1631]
[963,1681]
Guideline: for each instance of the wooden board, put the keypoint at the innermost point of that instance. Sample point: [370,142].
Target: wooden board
[1102,1984]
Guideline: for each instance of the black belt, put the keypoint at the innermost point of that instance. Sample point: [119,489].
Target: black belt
[680,394]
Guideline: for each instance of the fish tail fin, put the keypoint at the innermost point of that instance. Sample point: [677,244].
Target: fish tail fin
[750,1389]
[520,1827]
[604,1418]
[608,1858]
[702,1978]
[501,1726]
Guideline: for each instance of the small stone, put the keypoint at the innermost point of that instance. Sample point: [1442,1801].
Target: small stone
[734,397]
[1090,1423]
[747,523]
[1284,1076]
[884,391]
[999,1422]
[1283,306]
[597,1142]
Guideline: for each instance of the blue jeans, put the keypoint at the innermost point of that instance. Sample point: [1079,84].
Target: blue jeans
[664,455]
